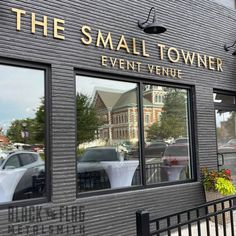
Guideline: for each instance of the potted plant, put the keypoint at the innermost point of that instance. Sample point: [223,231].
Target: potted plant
[218,184]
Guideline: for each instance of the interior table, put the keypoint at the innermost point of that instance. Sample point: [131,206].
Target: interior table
[8,182]
[173,172]
[120,173]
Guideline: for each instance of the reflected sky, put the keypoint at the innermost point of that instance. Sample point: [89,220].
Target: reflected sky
[91,84]
[21,91]
[222,116]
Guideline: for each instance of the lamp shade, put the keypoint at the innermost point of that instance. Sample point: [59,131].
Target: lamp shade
[154,28]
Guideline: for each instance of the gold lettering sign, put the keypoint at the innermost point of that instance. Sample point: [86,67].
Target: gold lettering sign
[43,23]
[19,13]
[173,54]
[58,24]
[122,44]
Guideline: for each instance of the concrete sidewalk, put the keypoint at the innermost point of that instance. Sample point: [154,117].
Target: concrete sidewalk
[184,231]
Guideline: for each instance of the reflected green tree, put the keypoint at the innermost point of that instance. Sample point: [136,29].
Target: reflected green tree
[39,124]
[34,127]
[87,123]
[14,132]
[173,122]
[88,120]
[229,127]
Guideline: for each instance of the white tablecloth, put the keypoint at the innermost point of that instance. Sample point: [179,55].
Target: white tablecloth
[8,182]
[120,173]
[173,172]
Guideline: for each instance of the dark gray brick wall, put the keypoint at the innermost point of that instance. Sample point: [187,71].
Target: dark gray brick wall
[199,26]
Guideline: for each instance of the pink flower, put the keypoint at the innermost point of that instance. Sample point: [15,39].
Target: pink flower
[227,172]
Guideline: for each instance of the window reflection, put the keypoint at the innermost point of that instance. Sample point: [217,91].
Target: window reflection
[22,167]
[227,3]
[167,154]
[107,134]
[226,140]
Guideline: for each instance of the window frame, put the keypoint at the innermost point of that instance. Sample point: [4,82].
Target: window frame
[47,103]
[141,81]
[223,107]
[228,7]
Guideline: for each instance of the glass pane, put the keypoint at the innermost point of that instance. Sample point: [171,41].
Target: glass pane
[12,163]
[27,158]
[224,99]
[21,128]
[107,134]
[167,153]
[227,3]
[226,140]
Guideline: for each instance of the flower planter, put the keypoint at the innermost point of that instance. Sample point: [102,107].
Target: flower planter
[211,196]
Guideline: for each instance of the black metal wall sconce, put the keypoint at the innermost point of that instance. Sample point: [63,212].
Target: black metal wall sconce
[226,48]
[151,28]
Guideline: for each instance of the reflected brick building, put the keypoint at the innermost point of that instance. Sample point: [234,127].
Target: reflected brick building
[118,111]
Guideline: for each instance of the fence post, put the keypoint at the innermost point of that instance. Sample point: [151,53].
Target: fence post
[142,223]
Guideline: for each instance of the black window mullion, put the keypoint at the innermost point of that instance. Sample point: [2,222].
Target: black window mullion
[141,134]
[191,133]
[224,107]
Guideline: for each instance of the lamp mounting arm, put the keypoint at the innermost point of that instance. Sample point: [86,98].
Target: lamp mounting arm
[140,24]
[227,47]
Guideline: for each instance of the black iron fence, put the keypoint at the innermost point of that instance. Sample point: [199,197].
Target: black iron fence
[213,218]
[95,180]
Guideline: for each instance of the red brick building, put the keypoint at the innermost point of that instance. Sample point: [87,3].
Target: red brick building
[119,112]
[3,140]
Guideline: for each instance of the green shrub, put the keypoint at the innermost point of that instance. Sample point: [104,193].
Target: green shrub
[218,181]
[224,186]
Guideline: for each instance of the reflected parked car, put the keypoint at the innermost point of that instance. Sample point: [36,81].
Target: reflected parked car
[231,144]
[181,140]
[153,150]
[91,173]
[3,155]
[22,176]
[176,154]
[20,159]
[32,183]
[91,158]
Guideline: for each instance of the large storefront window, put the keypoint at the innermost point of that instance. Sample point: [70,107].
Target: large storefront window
[107,131]
[111,149]
[167,149]
[22,158]
[225,113]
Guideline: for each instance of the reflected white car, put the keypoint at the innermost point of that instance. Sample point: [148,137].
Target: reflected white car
[16,175]
[21,159]
[3,155]
[90,160]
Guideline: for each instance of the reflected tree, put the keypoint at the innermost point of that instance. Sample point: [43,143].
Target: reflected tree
[228,127]
[39,124]
[88,120]
[173,122]
[14,132]
[34,127]
[87,123]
